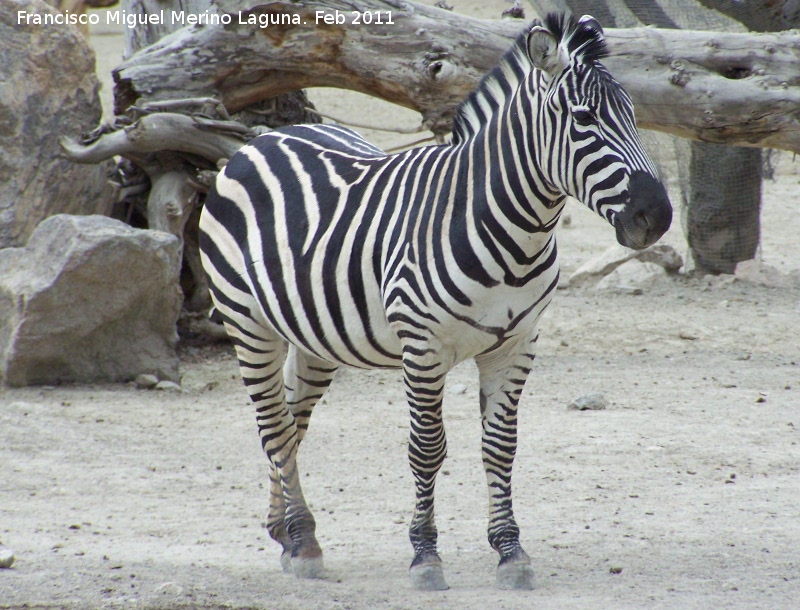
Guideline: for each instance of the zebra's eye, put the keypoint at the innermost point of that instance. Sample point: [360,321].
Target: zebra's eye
[583,117]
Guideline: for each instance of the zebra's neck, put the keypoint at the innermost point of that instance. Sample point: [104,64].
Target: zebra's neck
[493,92]
[510,201]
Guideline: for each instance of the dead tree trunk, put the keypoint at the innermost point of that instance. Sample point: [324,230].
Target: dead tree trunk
[715,87]
[170,198]
[723,206]
[723,213]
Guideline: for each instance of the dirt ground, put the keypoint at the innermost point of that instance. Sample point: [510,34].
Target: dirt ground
[683,493]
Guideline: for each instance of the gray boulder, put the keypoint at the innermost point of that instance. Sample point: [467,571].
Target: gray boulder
[48,88]
[89,299]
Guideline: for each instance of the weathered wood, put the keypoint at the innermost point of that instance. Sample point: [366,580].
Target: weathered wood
[715,87]
[170,202]
[161,132]
[153,140]
[173,141]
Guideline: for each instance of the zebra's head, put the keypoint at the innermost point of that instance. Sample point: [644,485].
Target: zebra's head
[593,152]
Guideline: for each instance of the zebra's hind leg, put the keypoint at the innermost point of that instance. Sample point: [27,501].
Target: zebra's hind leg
[502,378]
[305,378]
[276,520]
[261,353]
[427,448]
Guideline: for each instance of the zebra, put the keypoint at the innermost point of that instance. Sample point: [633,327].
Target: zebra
[321,250]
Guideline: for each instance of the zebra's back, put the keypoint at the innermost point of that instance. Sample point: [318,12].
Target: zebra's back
[292,211]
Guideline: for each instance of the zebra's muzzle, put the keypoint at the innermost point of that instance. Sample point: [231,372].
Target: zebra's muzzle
[646,216]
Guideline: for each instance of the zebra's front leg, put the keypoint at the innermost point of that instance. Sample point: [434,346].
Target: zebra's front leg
[502,378]
[427,448]
[290,522]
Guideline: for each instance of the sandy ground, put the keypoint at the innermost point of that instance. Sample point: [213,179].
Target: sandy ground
[683,493]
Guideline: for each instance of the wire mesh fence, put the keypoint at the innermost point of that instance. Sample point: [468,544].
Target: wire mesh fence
[718,187]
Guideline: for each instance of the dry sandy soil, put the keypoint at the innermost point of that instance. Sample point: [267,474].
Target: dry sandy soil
[683,493]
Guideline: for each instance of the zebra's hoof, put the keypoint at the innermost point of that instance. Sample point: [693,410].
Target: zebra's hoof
[515,575]
[428,576]
[310,567]
[286,562]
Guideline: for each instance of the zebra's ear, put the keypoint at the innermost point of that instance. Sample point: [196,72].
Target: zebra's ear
[544,50]
[591,22]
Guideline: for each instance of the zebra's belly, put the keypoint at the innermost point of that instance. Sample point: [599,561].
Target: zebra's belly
[494,323]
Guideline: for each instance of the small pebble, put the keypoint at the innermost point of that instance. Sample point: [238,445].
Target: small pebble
[589,402]
[168,386]
[146,381]
[6,558]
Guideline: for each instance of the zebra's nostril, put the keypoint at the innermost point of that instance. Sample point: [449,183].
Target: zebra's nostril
[641,220]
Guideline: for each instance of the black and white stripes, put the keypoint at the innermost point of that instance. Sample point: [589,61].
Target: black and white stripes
[315,239]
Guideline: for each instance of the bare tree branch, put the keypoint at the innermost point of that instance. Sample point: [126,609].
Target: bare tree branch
[715,87]
[166,131]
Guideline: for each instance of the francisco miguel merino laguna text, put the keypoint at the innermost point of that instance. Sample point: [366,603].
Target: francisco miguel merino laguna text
[162,17]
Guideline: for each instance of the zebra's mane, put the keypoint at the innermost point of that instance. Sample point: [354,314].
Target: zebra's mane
[584,40]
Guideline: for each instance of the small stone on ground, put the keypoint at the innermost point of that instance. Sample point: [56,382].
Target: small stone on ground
[589,402]
[6,558]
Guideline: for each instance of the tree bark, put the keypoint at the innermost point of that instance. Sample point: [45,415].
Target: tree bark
[714,87]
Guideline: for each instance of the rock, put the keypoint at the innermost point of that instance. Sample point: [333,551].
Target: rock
[6,558]
[146,381]
[48,89]
[632,277]
[661,254]
[589,402]
[89,299]
[168,386]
